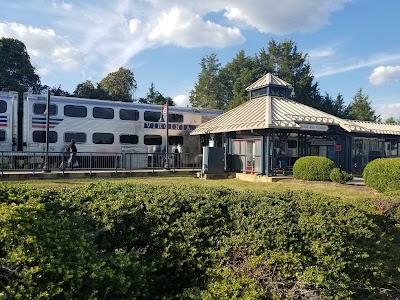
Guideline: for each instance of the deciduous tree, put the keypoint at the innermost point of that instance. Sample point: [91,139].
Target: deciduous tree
[16,70]
[120,85]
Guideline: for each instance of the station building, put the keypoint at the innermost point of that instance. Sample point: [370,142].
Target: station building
[268,133]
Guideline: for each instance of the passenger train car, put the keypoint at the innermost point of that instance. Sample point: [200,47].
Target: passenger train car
[98,126]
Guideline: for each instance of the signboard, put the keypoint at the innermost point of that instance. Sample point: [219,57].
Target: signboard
[337,148]
[313,127]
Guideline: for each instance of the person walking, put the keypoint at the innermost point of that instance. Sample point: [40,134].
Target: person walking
[71,148]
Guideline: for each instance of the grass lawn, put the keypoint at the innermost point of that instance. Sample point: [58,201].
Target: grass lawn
[328,188]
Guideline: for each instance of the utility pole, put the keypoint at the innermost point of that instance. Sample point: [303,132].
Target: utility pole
[166,166]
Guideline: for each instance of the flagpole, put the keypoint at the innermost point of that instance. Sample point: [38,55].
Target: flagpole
[166,147]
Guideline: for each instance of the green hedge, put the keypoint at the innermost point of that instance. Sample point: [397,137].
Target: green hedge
[383,174]
[340,176]
[313,168]
[131,241]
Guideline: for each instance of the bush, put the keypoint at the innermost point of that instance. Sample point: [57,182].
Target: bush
[340,176]
[135,241]
[383,174]
[313,168]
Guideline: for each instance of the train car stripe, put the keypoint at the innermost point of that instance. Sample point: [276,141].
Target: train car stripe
[40,122]
[3,121]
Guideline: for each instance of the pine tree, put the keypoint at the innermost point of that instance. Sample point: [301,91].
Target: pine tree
[361,109]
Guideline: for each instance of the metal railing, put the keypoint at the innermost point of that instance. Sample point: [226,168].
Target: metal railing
[58,161]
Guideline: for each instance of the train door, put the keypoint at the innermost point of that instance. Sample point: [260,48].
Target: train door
[8,130]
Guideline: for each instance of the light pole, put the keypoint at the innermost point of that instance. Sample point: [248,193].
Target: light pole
[46,158]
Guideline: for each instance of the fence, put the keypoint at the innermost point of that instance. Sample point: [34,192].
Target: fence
[36,161]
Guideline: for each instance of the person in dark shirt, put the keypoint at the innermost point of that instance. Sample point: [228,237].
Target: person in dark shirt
[71,148]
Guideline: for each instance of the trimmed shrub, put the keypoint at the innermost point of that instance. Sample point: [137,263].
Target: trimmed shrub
[313,168]
[383,174]
[340,176]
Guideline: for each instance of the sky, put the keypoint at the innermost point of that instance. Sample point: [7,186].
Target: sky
[350,44]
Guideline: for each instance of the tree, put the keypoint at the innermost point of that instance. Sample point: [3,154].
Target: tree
[155,97]
[235,77]
[206,92]
[392,120]
[88,90]
[56,91]
[287,63]
[16,70]
[120,85]
[360,108]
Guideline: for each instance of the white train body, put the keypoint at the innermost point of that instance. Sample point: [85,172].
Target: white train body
[108,126]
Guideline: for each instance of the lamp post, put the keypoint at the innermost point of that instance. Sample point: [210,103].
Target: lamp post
[46,158]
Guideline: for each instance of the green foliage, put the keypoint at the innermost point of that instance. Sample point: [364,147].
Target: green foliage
[155,97]
[340,176]
[361,109]
[383,174]
[16,70]
[206,92]
[133,241]
[119,85]
[313,168]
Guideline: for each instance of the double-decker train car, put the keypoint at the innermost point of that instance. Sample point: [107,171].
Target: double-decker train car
[99,127]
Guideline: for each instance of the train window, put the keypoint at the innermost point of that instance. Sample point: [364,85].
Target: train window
[175,140]
[103,113]
[79,137]
[3,106]
[40,109]
[129,114]
[176,118]
[152,139]
[103,138]
[153,116]
[2,135]
[75,111]
[292,144]
[39,136]
[128,139]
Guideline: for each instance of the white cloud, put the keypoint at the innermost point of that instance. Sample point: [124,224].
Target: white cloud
[389,110]
[181,27]
[361,63]
[269,16]
[323,52]
[181,101]
[383,74]
[43,46]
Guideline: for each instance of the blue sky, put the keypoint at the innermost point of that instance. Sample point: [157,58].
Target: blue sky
[351,44]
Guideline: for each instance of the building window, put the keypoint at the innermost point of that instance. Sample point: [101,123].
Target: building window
[152,139]
[103,113]
[103,138]
[175,118]
[129,114]
[39,136]
[152,116]
[128,139]
[3,106]
[79,137]
[2,135]
[40,109]
[75,111]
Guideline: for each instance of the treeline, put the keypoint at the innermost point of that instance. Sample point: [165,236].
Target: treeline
[220,87]
[135,241]
[223,87]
